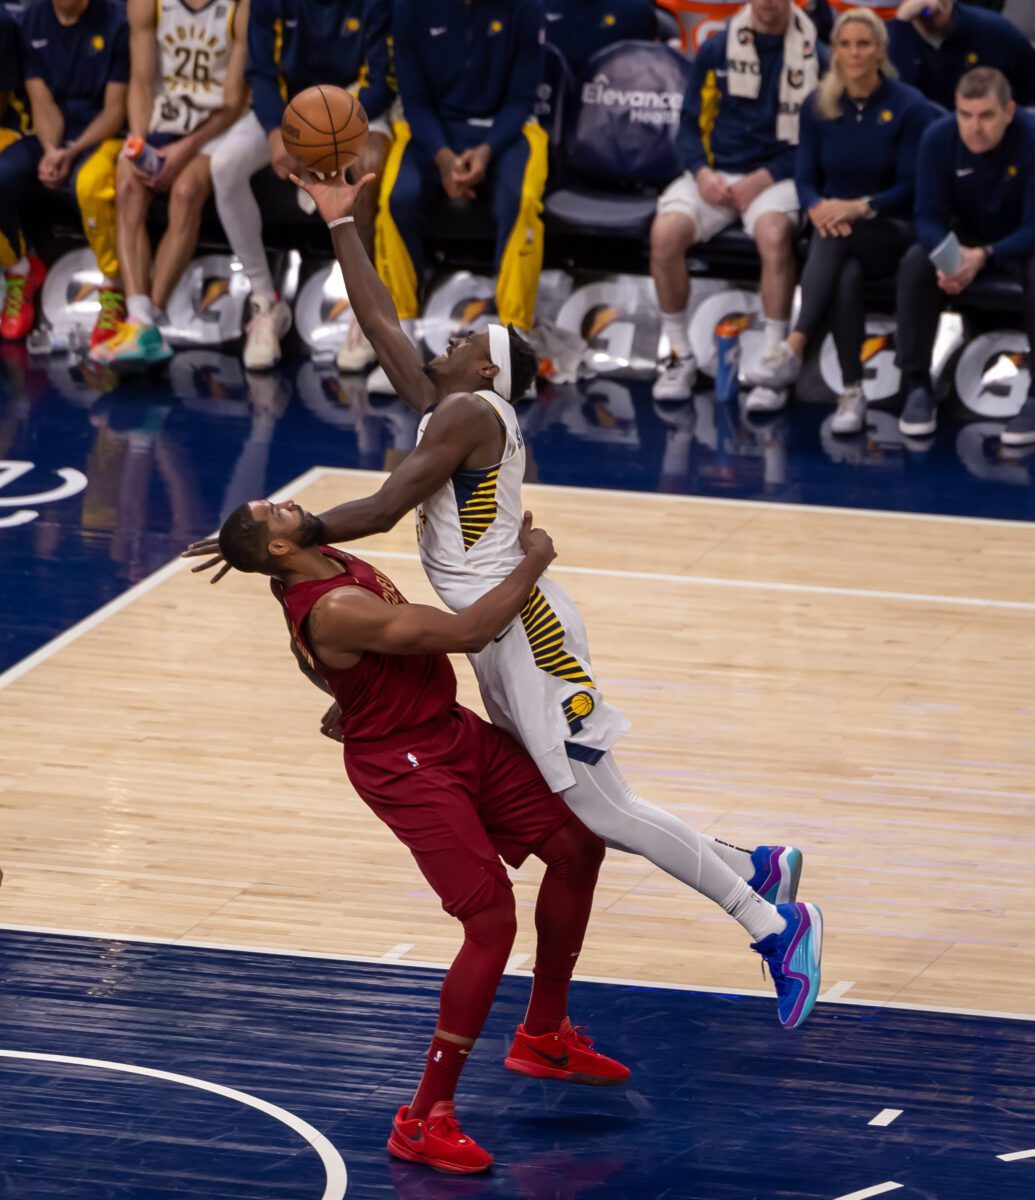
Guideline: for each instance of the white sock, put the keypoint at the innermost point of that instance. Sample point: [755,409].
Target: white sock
[775,332]
[733,856]
[674,326]
[604,802]
[757,916]
[21,267]
[139,310]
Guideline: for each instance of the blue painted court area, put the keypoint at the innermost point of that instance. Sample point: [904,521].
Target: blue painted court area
[723,1105]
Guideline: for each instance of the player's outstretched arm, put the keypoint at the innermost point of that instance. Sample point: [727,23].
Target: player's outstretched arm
[368,296]
[461,425]
[348,621]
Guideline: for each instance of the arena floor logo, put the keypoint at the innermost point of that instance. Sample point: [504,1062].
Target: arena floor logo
[204,378]
[881,377]
[72,482]
[715,301]
[70,299]
[207,305]
[461,301]
[993,373]
[323,314]
[618,319]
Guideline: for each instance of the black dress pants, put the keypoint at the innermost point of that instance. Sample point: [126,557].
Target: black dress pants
[832,283]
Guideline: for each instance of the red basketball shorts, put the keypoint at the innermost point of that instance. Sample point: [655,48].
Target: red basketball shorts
[460,794]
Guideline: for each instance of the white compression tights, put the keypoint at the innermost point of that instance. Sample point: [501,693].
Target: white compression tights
[244,150]
[604,802]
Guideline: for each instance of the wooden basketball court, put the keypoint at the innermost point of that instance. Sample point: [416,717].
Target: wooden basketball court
[857,683]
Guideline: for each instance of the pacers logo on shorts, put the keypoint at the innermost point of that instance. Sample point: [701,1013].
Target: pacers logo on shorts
[576,709]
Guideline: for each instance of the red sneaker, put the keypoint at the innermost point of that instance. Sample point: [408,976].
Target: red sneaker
[437,1141]
[19,310]
[567,1054]
[113,310]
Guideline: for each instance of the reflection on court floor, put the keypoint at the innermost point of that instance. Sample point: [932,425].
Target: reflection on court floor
[219,1073]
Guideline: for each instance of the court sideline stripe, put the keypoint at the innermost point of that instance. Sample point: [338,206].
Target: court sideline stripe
[100,615]
[333,1165]
[424,964]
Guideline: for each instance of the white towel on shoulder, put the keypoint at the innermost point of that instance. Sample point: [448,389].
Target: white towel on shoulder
[798,77]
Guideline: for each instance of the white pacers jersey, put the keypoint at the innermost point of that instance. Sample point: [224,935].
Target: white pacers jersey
[193,52]
[535,677]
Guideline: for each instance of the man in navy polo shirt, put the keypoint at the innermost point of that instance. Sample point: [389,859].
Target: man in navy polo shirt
[934,42]
[14,104]
[468,75]
[76,62]
[976,178]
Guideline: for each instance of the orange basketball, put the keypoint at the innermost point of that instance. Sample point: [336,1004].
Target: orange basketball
[324,127]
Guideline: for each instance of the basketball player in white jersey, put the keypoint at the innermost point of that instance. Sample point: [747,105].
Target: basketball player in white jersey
[186,90]
[464,479]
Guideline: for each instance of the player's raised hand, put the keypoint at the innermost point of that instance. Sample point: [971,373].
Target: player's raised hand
[207,546]
[335,197]
[536,543]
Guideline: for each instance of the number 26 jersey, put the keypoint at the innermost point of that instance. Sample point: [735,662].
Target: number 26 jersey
[194,47]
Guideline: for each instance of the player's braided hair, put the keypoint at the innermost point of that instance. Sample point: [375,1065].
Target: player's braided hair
[524,365]
[243,541]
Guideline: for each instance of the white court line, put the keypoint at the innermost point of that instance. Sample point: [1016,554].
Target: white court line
[681,499]
[1016,1156]
[514,962]
[878,1189]
[758,585]
[837,990]
[661,985]
[397,952]
[334,1167]
[76,631]
[307,478]
[886,1116]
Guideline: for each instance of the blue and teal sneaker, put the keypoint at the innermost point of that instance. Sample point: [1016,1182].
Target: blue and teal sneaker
[132,346]
[793,958]
[777,871]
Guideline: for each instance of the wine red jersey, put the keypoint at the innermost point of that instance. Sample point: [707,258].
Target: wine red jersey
[383,695]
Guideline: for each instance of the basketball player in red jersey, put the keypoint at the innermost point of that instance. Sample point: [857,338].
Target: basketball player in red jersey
[458,792]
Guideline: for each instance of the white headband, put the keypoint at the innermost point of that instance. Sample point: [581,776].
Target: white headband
[499,353]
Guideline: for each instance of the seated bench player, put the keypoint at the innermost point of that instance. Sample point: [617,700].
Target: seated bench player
[292,45]
[75,55]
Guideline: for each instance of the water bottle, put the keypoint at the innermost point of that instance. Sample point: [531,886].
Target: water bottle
[142,155]
[727,358]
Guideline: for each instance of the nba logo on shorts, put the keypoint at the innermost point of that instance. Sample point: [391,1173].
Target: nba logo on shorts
[412,761]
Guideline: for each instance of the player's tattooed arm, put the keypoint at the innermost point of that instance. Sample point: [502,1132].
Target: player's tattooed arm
[463,426]
[314,677]
[346,622]
[330,722]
